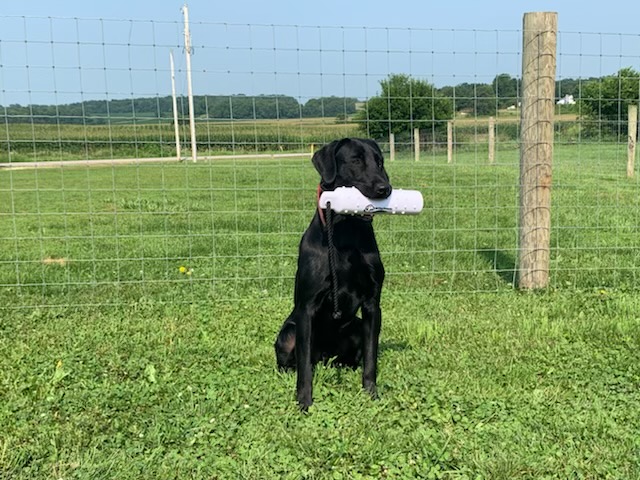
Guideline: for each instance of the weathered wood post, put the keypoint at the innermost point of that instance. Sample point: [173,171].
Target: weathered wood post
[631,141]
[492,140]
[416,143]
[450,141]
[392,147]
[536,147]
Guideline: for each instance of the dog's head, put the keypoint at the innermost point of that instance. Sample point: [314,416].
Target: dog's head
[353,162]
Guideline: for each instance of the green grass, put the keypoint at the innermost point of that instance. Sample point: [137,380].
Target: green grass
[117,365]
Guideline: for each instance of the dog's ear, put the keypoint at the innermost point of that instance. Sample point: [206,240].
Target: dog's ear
[373,144]
[325,161]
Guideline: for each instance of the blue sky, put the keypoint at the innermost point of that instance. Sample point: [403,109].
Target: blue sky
[614,16]
[119,49]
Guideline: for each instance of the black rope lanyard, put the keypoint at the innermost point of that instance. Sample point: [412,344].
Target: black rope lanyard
[337,314]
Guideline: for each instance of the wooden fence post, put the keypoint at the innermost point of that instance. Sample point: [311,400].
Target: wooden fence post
[631,142]
[450,141]
[492,140]
[540,31]
[416,143]
[392,147]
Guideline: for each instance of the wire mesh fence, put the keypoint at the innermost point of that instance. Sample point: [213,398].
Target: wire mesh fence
[128,223]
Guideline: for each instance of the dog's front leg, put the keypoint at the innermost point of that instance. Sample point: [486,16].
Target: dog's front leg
[372,320]
[304,386]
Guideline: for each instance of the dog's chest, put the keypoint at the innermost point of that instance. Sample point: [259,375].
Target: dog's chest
[359,272]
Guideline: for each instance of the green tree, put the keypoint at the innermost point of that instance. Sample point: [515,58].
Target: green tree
[329,107]
[506,89]
[572,86]
[607,100]
[477,99]
[403,104]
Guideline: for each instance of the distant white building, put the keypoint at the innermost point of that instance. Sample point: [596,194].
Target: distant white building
[566,100]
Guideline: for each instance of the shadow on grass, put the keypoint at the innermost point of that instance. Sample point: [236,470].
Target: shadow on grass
[393,346]
[503,264]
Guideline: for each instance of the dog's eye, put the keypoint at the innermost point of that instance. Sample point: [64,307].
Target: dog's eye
[357,159]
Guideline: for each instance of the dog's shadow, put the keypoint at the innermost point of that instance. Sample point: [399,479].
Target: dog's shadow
[393,346]
[504,265]
[383,348]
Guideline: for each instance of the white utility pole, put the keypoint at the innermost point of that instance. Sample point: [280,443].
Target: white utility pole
[187,49]
[175,106]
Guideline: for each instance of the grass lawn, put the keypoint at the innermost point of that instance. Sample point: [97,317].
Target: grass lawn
[117,364]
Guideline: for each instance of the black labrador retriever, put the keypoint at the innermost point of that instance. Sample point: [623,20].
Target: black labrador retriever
[319,329]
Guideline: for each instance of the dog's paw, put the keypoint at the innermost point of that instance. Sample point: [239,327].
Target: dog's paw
[304,406]
[304,401]
[372,390]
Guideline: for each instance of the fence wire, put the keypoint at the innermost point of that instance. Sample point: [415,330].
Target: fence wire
[96,209]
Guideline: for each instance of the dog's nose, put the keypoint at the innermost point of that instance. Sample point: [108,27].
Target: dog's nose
[383,190]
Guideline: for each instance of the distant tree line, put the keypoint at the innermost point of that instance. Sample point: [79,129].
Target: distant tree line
[210,107]
[484,99]
[474,98]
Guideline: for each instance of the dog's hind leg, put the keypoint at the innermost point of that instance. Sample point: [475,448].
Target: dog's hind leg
[285,346]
